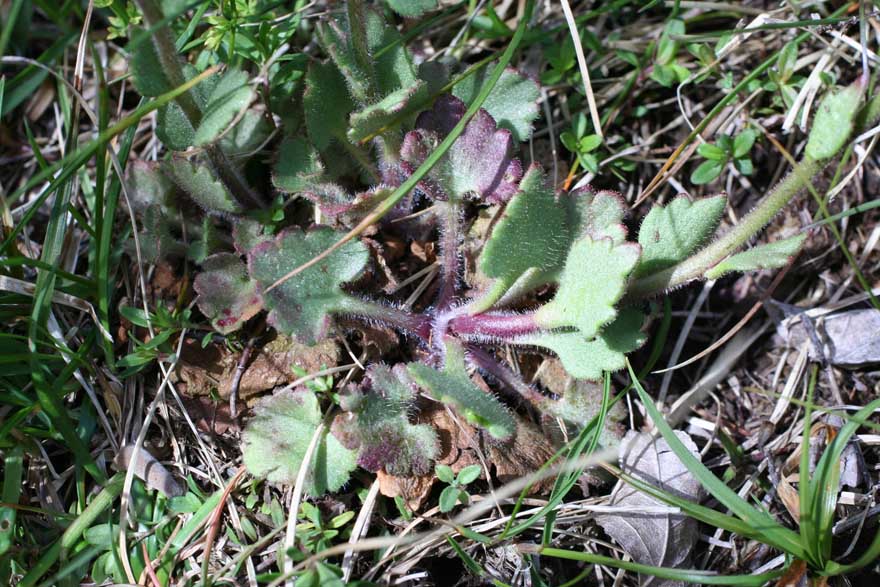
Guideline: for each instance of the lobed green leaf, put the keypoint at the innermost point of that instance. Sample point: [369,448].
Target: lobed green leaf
[513,102]
[302,306]
[592,282]
[669,234]
[534,231]
[585,358]
[275,441]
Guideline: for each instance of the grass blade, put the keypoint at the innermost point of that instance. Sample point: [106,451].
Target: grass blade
[767,527]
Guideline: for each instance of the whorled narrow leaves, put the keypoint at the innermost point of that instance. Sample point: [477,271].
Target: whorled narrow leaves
[386,439]
[301,307]
[227,296]
[670,233]
[276,439]
[452,385]
[478,166]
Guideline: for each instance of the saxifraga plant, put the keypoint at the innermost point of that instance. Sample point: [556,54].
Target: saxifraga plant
[563,261]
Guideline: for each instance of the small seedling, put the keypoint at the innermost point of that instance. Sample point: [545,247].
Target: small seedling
[582,144]
[727,150]
[316,534]
[455,491]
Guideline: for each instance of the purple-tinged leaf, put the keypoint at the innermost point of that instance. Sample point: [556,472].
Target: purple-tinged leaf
[227,296]
[387,439]
[479,164]
[247,234]
[340,208]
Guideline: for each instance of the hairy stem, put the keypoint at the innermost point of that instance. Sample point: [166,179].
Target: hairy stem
[170,61]
[449,214]
[494,325]
[695,266]
[415,324]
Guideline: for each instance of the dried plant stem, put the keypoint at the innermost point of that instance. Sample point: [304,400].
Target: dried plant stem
[170,61]
[696,266]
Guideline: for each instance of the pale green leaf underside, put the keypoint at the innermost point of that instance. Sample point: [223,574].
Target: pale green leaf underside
[589,359]
[769,256]
[671,233]
[451,385]
[277,437]
[513,102]
[534,231]
[301,305]
[199,182]
[593,280]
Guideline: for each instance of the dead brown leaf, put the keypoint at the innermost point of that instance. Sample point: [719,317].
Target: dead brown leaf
[202,371]
[149,470]
[414,490]
[524,454]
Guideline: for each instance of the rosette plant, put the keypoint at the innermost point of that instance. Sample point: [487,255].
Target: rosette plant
[554,273]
